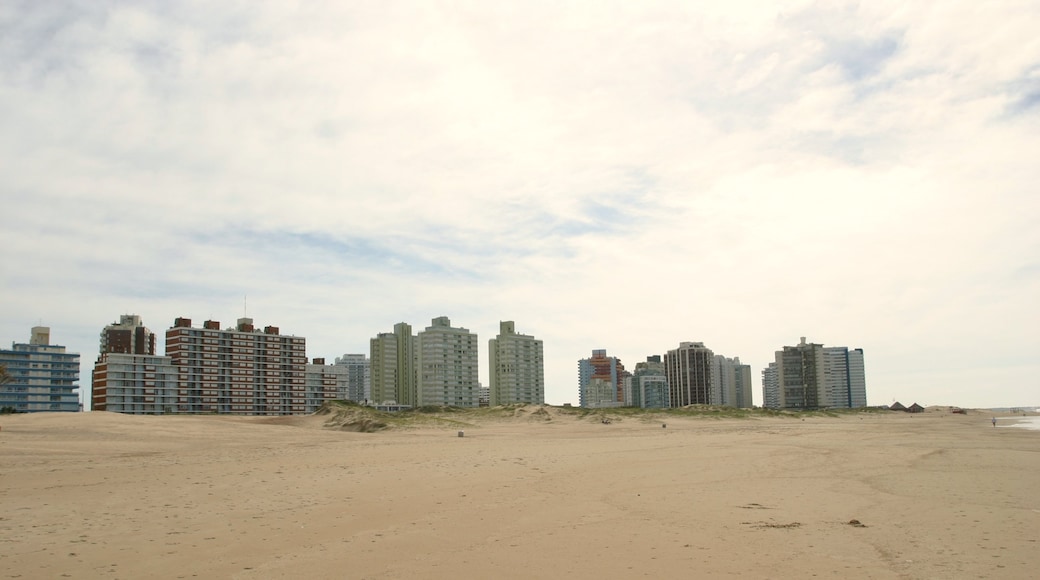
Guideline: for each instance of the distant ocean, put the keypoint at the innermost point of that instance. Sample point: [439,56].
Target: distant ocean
[1031,423]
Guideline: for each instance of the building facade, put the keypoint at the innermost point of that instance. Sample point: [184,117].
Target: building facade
[771,386]
[323,383]
[238,371]
[128,336]
[602,368]
[516,368]
[393,367]
[689,370]
[649,384]
[733,380]
[359,377]
[448,365]
[811,376]
[136,384]
[43,376]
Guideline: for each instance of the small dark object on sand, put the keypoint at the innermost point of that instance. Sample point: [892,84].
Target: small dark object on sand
[856,524]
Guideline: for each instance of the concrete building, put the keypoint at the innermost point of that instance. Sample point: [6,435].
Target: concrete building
[649,385]
[771,386]
[810,376]
[359,377]
[599,393]
[135,384]
[600,367]
[844,377]
[517,368]
[689,370]
[128,336]
[448,365]
[393,367]
[323,383]
[733,380]
[43,376]
[238,371]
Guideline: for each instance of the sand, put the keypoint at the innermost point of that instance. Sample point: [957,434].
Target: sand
[936,495]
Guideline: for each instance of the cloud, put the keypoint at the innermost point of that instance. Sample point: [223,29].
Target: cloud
[612,176]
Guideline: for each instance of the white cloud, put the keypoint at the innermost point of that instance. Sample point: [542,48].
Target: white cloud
[607,175]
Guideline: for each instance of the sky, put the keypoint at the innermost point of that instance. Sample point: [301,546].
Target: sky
[609,175]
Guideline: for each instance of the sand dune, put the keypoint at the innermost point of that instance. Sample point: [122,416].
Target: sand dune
[527,493]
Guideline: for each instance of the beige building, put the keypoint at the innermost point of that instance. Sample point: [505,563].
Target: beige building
[517,368]
[392,369]
[447,365]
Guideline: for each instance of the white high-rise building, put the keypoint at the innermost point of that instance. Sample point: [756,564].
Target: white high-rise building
[844,379]
[771,386]
[517,368]
[448,365]
[733,381]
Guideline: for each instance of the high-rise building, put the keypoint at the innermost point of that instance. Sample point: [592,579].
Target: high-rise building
[689,370]
[42,375]
[136,384]
[359,378]
[393,367]
[517,367]
[323,383]
[239,371]
[601,369]
[733,380]
[128,336]
[771,386]
[844,377]
[811,376]
[649,384]
[128,377]
[448,365]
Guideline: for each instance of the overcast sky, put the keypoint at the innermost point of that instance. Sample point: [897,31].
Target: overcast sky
[618,175]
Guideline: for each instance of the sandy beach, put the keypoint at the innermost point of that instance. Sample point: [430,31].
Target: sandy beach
[531,493]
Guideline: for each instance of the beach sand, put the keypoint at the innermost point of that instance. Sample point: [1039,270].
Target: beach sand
[524,495]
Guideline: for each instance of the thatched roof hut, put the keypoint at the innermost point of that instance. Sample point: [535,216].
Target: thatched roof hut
[915,408]
[897,406]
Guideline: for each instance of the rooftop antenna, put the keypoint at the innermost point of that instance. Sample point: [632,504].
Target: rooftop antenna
[245,306]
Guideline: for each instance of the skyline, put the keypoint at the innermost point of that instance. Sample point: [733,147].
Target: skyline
[607,176]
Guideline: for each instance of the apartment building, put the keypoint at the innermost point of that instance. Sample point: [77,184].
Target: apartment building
[359,377]
[43,376]
[238,371]
[516,367]
[393,367]
[811,376]
[689,370]
[447,365]
[601,368]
